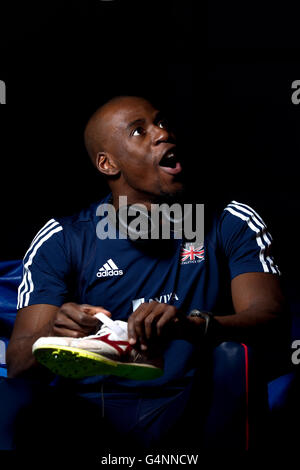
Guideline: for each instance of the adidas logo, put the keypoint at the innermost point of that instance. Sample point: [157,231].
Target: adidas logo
[109,269]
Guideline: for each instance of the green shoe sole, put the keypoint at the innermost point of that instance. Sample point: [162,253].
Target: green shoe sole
[77,363]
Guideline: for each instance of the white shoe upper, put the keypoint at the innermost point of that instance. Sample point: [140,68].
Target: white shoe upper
[111,339]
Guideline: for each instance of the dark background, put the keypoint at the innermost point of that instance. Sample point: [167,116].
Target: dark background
[225,75]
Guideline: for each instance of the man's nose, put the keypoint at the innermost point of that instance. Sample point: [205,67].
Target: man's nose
[161,134]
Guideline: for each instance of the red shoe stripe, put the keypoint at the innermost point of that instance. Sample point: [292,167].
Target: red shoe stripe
[115,344]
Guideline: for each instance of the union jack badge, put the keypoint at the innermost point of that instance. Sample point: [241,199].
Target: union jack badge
[191,254]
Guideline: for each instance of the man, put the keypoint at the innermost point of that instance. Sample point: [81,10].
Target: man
[131,144]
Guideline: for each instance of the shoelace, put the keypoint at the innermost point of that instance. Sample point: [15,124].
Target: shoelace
[102,331]
[110,325]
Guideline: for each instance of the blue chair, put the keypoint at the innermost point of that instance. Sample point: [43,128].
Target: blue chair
[10,278]
[283,389]
[238,400]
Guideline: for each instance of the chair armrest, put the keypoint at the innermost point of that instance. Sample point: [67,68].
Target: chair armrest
[238,410]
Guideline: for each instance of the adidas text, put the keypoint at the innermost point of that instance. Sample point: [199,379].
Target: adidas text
[115,272]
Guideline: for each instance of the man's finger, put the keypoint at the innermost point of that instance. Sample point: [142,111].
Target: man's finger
[78,315]
[92,309]
[62,321]
[66,332]
[152,319]
[135,322]
[142,322]
[169,316]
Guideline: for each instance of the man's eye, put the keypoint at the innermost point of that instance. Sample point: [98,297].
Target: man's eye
[138,131]
[163,124]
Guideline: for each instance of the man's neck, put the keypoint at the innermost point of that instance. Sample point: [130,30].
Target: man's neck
[120,200]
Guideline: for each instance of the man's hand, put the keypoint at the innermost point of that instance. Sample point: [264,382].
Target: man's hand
[39,320]
[76,320]
[153,319]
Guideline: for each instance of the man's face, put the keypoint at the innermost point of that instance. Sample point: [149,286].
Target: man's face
[144,148]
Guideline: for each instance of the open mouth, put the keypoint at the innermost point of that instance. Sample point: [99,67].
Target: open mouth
[169,159]
[169,162]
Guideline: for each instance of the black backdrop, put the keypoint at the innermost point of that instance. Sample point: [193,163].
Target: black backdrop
[229,92]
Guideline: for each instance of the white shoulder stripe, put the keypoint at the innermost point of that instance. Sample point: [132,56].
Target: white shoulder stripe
[266,236]
[48,226]
[27,276]
[250,209]
[259,240]
[255,219]
[43,228]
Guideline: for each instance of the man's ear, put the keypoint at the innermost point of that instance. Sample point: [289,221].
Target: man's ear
[106,164]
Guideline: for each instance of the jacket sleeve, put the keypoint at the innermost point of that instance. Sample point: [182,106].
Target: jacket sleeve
[246,242]
[45,268]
